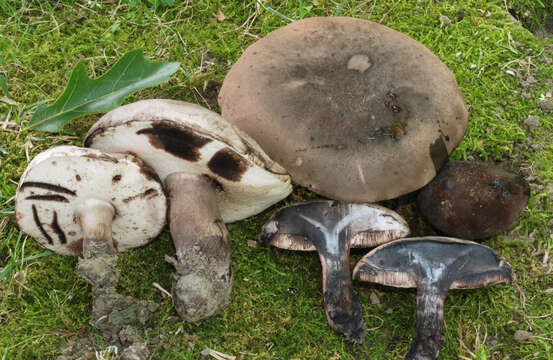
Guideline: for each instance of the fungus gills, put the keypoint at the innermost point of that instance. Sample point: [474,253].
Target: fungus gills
[433,265]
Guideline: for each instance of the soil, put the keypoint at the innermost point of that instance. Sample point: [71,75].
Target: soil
[122,320]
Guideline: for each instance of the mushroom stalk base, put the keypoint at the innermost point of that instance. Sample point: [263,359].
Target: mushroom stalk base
[343,310]
[98,265]
[430,317]
[203,280]
[110,311]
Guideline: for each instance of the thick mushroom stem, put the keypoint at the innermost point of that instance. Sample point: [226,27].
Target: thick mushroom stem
[430,318]
[343,309]
[98,265]
[203,280]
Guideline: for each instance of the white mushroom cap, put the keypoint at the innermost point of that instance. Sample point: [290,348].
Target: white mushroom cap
[175,136]
[58,182]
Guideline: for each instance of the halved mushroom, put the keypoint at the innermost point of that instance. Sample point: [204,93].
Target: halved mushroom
[213,174]
[88,203]
[331,228]
[354,110]
[433,265]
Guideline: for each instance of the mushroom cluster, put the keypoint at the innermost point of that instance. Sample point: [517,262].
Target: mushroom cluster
[110,197]
[360,113]
[352,110]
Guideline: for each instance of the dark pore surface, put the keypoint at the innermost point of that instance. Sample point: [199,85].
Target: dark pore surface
[473,200]
[433,260]
[352,109]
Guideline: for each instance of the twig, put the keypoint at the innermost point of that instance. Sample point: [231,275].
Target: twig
[160,288]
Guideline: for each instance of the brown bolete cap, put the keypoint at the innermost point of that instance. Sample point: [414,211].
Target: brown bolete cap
[473,200]
[433,265]
[213,174]
[64,183]
[352,109]
[331,228]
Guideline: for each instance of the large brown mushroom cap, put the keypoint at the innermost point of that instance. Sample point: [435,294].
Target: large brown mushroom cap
[352,109]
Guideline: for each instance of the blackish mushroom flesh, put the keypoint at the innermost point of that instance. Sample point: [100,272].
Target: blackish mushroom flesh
[213,174]
[331,228]
[433,265]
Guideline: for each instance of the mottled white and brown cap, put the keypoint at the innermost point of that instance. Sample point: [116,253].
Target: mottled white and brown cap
[433,265]
[331,228]
[213,174]
[175,136]
[353,110]
[59,184]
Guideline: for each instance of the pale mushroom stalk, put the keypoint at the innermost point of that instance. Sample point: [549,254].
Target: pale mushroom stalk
[95,217]
[433,265]
[201,241]
[213,173]
[331,228]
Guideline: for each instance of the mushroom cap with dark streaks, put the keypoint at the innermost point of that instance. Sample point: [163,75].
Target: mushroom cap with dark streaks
[447,262]
[473,200]
[175,136]
[353,110]
[57,182]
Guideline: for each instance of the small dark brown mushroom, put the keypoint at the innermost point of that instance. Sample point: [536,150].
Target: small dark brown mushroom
[433,265]
[473,200]
[331,228]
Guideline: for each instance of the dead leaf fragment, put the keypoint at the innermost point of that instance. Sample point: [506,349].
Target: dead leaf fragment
[220,16]
[216,354]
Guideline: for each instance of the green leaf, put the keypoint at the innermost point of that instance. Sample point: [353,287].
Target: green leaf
[84,96]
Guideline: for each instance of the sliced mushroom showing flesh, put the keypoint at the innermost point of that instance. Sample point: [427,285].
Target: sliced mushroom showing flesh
[84,202]
[331,228]
[433,265]
[213,174]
